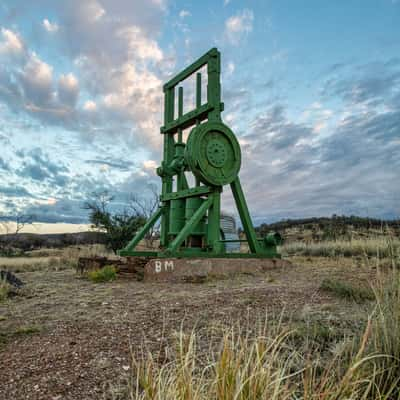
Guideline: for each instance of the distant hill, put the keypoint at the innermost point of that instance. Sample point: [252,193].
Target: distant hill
[30,241]
[331,228]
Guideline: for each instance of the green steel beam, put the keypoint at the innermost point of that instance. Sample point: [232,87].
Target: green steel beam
[196,191]
[203,60]
[193,221]
[245,216]
[140,235]
[188,119]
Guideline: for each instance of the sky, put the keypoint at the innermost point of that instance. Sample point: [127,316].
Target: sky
[311,89]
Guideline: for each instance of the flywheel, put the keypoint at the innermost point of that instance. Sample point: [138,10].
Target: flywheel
[213,153]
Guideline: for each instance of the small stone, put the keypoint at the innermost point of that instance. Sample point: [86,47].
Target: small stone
[125,367]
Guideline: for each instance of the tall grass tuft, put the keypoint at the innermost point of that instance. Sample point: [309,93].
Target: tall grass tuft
[240,368]
[385,338]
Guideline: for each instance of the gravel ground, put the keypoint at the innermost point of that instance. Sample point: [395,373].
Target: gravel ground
[67,338]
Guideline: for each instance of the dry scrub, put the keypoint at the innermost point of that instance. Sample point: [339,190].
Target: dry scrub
[267,364]
[380,247]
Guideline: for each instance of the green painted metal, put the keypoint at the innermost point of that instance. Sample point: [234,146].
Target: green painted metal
[177,216]
[190,216]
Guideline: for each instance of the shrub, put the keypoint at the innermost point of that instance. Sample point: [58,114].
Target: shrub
[348,291]
[105,274]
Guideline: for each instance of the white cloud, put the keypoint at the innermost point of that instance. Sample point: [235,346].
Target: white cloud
[90,105]
[50,27]
[231,67]
[37,80]
[138,45]
[184,13]
[11,42]
[150,164]
[238,26]
[93,11]
[68,89]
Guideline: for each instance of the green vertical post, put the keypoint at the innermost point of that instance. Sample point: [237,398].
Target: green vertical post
[168,155]
[198,89]
[214,85]
[213,228]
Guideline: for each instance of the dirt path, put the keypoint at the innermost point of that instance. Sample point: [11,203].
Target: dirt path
[68,338]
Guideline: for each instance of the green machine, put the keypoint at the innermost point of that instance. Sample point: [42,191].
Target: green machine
[190,216]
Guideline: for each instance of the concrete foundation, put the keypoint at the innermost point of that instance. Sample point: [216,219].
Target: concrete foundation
[199,269]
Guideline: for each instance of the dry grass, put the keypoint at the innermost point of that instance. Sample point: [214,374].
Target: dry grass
[51,259]
[4,290]
[266,365]
[380,247]
[346,290]
[269,364]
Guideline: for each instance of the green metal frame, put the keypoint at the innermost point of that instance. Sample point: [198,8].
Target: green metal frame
[177,161]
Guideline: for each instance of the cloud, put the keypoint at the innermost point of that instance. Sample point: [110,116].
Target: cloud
[114,50]
[272,128]
[68,89]
[36,81]
[121,165]
[3,165]
[38,167]
[50,27]
[90,105]
[238,26]
[371,82]
[184,14]
[15,191]
[11,42]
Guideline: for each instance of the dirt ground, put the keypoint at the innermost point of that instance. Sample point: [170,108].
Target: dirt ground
[65,337]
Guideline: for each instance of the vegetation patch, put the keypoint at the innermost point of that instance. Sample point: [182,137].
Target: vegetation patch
[5,289]
[6,337]
[347,291]
[105,274]
[385,247]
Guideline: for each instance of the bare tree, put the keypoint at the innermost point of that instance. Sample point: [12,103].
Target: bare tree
[147,206]
[22,220]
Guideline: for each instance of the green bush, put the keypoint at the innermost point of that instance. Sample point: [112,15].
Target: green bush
[105,274]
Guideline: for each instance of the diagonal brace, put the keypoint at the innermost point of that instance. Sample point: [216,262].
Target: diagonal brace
[140,235]
[241,205]
[193,221]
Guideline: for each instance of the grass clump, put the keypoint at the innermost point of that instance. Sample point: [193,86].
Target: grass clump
[381,247]
[27,330]
[105,274]
[347,291]
[5,289]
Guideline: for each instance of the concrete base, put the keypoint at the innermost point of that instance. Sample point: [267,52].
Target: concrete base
[199,269]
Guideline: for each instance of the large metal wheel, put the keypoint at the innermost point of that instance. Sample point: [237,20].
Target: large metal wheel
[213,153]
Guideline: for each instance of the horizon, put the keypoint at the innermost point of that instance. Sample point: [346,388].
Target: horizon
[9,227]
[316,109]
